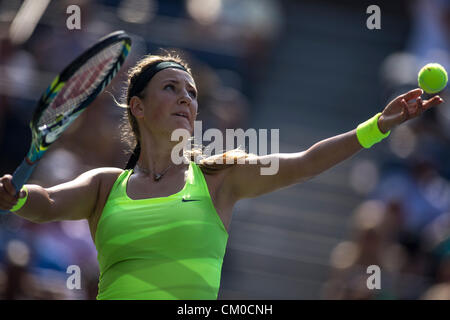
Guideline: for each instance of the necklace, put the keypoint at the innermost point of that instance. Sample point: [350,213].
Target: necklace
[156,176]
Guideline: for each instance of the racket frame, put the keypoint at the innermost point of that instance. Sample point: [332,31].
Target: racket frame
[40,144]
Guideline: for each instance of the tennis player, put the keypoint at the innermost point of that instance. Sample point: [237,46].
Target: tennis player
[161,229]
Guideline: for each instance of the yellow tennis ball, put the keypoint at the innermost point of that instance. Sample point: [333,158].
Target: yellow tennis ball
[432,78]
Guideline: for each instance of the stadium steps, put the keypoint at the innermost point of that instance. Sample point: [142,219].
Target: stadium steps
[280,243]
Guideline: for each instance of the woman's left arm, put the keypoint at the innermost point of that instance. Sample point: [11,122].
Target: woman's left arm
[246,180]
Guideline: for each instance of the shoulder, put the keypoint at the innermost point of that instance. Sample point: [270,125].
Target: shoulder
[101,177]
[221,177]
[104,178]
[102,173]
[242,177]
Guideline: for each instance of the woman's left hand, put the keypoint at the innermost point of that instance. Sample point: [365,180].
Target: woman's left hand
[405,107]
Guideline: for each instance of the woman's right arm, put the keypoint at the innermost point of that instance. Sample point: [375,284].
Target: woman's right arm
[74,200]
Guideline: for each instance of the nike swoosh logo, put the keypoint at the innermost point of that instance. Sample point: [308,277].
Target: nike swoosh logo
[187,200]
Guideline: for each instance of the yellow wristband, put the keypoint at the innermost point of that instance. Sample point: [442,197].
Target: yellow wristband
[21,201]
[368,132]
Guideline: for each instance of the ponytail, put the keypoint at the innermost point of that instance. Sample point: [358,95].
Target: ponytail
[134,157]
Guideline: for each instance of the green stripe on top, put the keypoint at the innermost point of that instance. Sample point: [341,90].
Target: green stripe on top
[161,248]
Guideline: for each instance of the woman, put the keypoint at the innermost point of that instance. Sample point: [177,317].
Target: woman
[161,229]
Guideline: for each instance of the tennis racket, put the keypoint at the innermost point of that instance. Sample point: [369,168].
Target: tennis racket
[69,95]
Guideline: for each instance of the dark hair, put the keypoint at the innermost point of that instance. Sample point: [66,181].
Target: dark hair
[130,128]
[134,157]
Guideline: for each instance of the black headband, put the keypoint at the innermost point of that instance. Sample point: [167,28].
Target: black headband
[144,78]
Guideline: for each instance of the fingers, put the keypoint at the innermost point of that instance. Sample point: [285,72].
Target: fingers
[432,102]
[418,107]
[413,94]
[7,185]
[7,193]
[6,203]
[405,113]
[22,194]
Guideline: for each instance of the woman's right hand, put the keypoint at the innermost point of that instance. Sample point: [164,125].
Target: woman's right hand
[73,200]
[8,196]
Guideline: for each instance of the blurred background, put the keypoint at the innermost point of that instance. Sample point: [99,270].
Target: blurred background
[309,68]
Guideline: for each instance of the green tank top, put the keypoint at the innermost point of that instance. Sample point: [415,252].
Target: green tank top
[160,248]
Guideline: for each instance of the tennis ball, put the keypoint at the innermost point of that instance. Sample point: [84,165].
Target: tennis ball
[432,78]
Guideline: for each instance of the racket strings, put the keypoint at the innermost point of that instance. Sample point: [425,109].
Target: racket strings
[81,85]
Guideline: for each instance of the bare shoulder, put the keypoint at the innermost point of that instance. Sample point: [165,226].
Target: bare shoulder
[221,193]
[217,181]
[106,173]
[245,178]
[106,176]
[103,172]
[101,176]
[104,179]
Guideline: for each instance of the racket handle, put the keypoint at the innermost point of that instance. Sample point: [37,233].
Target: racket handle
[21,176]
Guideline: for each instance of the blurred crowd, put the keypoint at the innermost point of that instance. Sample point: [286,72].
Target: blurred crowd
[34,258]
[404,225]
